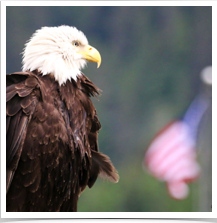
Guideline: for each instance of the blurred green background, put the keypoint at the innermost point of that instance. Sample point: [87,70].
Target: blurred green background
[150,72]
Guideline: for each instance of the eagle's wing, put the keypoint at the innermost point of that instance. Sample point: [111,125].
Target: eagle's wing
[20,105]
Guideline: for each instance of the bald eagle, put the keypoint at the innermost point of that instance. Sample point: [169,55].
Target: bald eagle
[51,124]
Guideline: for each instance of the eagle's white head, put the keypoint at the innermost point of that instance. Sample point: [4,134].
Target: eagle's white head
[59,51]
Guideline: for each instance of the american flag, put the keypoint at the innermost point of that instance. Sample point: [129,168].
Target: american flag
[171,156]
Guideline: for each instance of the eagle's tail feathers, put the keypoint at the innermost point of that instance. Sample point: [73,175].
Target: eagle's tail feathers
[106,168]
[102,166]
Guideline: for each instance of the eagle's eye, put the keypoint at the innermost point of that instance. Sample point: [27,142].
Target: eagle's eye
[75,43]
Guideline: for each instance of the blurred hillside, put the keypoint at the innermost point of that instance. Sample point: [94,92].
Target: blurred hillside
[151,63]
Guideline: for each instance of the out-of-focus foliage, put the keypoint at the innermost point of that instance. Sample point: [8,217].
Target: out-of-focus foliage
[151,62]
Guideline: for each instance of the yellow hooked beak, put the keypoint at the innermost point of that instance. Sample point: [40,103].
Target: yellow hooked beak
[91,54]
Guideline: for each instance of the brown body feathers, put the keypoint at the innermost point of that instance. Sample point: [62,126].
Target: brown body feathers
[52,151]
